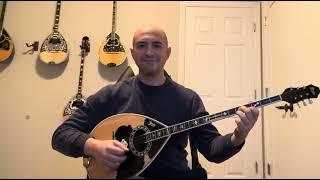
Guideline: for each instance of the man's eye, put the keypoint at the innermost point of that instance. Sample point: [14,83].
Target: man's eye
[157,45]
[140,45]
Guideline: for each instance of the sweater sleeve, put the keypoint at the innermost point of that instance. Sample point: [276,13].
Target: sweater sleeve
[210,143]
[69,138]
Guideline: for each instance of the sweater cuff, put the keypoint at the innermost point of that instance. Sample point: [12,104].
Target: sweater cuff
[81,142]
[229,145]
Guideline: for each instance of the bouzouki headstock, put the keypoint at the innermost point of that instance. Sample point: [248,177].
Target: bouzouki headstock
[85,44]
[295,95]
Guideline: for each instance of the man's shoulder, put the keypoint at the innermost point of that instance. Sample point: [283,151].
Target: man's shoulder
[120,86]
[183,89]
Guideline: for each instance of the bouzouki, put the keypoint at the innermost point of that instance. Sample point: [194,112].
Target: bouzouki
[79,99]
[54,49]
[111,51]
[6,43]
[145,137]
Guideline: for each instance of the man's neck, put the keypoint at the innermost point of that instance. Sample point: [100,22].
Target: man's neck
[152,80]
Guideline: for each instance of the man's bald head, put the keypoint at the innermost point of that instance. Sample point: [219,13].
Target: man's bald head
[155,30]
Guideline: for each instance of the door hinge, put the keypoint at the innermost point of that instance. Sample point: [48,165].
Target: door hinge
[254,27]
[269,169]
[256,167]
[266,21]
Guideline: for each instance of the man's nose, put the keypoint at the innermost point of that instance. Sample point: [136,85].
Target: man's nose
[149,51]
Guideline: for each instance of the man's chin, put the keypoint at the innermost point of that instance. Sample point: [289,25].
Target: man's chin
[150,71]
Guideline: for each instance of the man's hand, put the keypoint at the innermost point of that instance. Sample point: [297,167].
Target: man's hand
[247,118]
[108,153]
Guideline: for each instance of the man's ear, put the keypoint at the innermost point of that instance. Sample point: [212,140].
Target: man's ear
[132,53]
[168,52]
[131,50]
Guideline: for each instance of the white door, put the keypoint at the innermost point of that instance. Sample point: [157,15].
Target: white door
[222,65]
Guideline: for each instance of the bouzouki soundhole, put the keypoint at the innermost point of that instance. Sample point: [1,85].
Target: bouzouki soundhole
[54,43]
[137,143]
[4,41]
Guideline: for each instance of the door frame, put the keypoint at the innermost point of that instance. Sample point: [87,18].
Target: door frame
[181,54]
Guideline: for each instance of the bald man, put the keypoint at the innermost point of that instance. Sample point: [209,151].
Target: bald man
[163,101]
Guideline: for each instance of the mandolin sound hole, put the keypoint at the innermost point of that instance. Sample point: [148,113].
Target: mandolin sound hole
[139,144]
[54,41]
[4,45]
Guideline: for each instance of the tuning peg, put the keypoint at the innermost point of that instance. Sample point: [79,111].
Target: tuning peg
[304,103]
[310,101]
[286,107]
[284,115]
[293,115]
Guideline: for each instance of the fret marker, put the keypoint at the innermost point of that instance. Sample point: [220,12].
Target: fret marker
[195,122]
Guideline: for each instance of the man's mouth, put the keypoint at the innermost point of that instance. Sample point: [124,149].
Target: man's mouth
[149,60]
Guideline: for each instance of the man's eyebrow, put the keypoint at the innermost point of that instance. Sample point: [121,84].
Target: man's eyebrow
[139,42]
[157,42]
[153,42]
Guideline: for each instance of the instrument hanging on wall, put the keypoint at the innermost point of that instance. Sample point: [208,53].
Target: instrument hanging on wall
[79,99]
[111,51]
[145,137]
[6,43]
[54,49]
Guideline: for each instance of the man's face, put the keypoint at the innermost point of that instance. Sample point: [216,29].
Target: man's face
[150,51]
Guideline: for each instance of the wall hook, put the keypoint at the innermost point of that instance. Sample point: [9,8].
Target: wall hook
[35,47]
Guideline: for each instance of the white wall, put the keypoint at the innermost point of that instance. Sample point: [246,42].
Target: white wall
[291,49]
[33,95]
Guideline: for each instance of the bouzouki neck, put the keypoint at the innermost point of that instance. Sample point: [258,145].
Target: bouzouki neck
[85,48]
[57,17]
[4,3]
[80,75]
[114,20]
